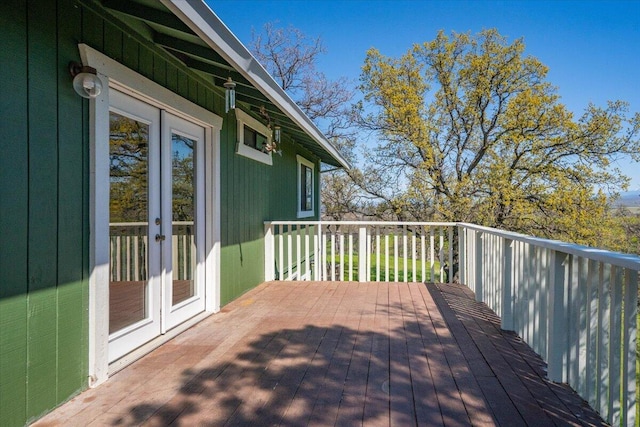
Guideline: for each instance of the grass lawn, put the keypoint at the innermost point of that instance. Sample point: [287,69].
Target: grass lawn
[391,261]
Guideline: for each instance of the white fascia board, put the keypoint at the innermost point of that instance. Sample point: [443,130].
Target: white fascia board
[205,23]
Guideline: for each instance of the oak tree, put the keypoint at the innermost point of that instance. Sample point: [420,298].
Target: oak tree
[471,129]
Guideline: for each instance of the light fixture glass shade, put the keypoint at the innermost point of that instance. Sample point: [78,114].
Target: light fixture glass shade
[230,95]
[276,134]
[86,83]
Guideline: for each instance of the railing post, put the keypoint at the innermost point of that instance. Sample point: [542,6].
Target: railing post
[269,253]
[450,273]
[507,285]
[318,253]
[558,312]
[362,253]
[479,268]
[629,348]
[462,256]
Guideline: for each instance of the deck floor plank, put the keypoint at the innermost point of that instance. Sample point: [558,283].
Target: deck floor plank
[345,354]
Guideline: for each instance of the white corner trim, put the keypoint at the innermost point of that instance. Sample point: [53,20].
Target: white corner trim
[99,232]
[302,161]
[243,119]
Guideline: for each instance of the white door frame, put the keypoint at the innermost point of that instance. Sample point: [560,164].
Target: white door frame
[117,76]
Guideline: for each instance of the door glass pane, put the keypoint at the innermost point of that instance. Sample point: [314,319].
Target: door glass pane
[183,217]
[128,203]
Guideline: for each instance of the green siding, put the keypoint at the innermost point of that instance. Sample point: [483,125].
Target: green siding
[252,193]
[14,206]
[42,301]
[73,258]
[44,196]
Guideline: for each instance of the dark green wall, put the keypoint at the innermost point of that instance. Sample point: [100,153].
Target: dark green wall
[44,199]
[43,211]
[253,192]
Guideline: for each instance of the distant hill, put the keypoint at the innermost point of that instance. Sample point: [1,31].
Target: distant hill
[630,199]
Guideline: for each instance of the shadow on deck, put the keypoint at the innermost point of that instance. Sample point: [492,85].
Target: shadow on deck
[330,353]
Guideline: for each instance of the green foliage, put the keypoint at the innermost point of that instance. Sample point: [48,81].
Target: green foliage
[622,231]
[474,132]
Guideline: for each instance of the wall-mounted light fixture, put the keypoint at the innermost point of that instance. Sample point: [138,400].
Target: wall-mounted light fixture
[86,83]
[274,146]
[276,134]
[230,95]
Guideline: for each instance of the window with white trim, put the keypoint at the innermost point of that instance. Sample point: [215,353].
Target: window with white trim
[253,137]
[305,187]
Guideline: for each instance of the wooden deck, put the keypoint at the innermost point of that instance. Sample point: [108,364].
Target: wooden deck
[328,353]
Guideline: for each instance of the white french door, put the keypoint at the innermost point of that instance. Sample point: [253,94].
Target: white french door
[156,222]
[183,207]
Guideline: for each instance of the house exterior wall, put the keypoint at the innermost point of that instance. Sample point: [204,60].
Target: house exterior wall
[254,192]
[44,196]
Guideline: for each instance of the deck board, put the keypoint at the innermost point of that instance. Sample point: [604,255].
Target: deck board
[329,353]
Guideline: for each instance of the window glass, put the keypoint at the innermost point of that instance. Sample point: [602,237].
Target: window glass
[305,188]
[306,183]
[183,203]
[128,213]
[254,139]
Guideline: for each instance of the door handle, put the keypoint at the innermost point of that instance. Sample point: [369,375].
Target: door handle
[160,237]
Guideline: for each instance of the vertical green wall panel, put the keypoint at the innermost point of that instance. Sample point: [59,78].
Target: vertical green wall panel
[43,207]
[14,157]
[146,63]
[13,360]
[183,85]
[92,29]
[172,78]
[112,41]
[130,53]
[159,70]
[72,215]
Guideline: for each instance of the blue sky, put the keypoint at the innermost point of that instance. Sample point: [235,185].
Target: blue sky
[591,47]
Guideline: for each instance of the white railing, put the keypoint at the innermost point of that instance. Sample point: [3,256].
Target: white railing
[128,250]
[362,251]
[575,306]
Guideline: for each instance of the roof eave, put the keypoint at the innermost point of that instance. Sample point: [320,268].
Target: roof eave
[206,24]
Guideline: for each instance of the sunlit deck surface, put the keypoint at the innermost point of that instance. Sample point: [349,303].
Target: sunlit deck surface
[329,353]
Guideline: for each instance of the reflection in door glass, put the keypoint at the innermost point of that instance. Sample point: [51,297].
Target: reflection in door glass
[128,201]
[183,217]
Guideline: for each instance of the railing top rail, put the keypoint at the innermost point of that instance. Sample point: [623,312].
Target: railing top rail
[138,224]
[616,258]
[372,223]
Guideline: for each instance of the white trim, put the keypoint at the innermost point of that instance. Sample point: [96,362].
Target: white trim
[212,219]
[99,231]
[205,23]
[117,76]
[310,165]
[243,119]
